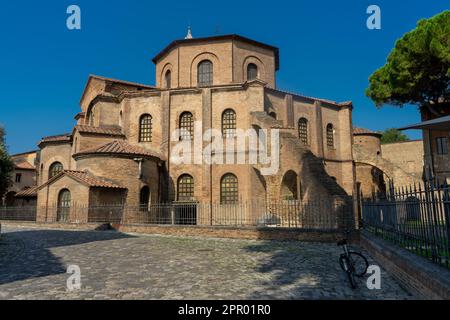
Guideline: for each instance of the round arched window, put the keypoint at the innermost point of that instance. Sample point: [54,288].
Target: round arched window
[252,71]
[55,169]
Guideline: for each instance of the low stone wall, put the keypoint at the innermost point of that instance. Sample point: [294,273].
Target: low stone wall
[235,233]
[416,274]
[201,231]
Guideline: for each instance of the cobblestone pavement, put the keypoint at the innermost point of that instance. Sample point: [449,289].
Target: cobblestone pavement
[33,265]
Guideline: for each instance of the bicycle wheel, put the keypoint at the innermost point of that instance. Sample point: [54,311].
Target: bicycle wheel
[342,260]
[351,278]
[359,262]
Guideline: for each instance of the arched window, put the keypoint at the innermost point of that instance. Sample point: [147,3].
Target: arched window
[330,136]
[273,115]
[252,71]
[229,123]
[303,130]
[185,188]
[186,126]
[145,128]
[229,189]
[144,198]
[168,79]
[64,204]
[205,73]
[55,169]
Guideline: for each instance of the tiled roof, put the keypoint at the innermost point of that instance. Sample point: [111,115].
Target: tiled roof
[121,147]
[361,131]
[90,180]
[23,165]
[113,131]
[341,104]
[27,193]
[59,138]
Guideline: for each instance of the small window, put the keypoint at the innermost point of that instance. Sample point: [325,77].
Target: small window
[18,177]
[229,189]
[229,123]
[186,126]
[55,169]
[273,115]
[205,73]
[303,130]
[185,188]
[442,145]
[330,136]
[168,79]
[145,128]
[252,71]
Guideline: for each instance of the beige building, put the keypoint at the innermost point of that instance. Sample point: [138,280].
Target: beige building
[436,144]
[23,179]
[376,165]
[119,151]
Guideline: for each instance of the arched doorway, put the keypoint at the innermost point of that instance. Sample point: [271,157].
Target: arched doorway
[289,186]
[144,199]
[64,205]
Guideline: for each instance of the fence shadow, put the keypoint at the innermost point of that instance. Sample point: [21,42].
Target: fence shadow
[293,267]
[28,254]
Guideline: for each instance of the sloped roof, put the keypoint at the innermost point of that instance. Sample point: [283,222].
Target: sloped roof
[66,137]
[91,180]
[338,104]
[362,131]
[112,131]
[441,124]
[23,165]
[85,178]
[27,193]
[121,147]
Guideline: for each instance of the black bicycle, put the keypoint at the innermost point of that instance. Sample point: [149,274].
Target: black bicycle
[353,263]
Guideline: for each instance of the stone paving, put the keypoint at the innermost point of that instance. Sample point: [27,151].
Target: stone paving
[33,265]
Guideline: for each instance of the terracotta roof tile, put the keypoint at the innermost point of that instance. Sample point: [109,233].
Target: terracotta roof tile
[91,180]
[27,193]
[58,138]
[121,147]
[360,131]
[113,131]
[24,165]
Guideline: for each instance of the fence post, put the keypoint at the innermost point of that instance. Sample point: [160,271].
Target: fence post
[447,214]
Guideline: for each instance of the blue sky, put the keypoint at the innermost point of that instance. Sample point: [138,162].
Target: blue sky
[325,51]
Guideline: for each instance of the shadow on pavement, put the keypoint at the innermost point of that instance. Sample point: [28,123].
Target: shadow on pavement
[26,254]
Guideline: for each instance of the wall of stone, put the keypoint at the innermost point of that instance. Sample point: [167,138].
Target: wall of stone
[48,198]
[52,153]
[408,155]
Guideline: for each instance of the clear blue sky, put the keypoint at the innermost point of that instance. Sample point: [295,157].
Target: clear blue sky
[325,51]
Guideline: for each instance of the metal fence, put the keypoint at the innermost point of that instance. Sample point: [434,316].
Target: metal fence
[416,217]
[284,214]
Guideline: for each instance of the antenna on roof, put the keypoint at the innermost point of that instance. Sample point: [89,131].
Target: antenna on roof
[189,34]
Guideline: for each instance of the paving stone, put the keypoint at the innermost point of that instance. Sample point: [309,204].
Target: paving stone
[33,265]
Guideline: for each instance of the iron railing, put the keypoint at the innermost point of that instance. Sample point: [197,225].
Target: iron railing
[416,217]
[286,214]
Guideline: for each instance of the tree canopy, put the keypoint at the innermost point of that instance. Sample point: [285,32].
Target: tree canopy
[417,70]
[393,135]
[6,165]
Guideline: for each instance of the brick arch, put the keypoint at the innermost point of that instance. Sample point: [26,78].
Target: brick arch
[167,67]
[289,185]
[261,67]
[216,67]
[387,171]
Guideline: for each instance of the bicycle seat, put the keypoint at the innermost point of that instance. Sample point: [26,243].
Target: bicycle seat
[342,242]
